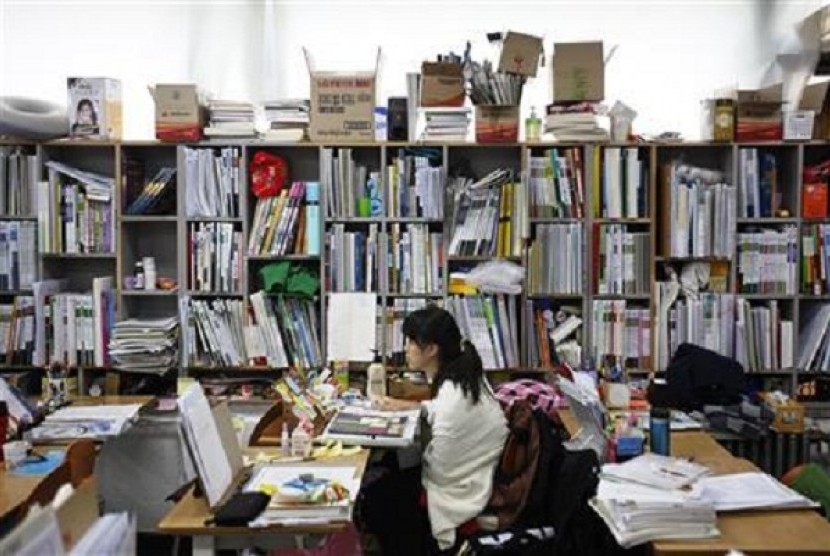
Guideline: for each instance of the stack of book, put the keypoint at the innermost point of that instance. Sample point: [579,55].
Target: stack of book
[215,257]
[624,191]
[212,181]
[768,261]
[621,266]
[214,332]
[491,324]
[230,118]
[761,194]
[556,333]
[288,120]
[815,280]
[555,260]
[145,346]
[764,337]
[813,338]
[354,259]
[446,124]
[18,255]
[415,258]
[285,332]
[279,226]
[621,335]
[414,188]
[586,121]
[347,183]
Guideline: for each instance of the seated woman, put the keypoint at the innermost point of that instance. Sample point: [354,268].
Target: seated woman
[464,434]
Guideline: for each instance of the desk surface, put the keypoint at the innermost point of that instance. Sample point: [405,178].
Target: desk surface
[768,533]
[15,489]
[188,516]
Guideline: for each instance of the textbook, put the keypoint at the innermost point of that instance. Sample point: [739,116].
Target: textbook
[366,427]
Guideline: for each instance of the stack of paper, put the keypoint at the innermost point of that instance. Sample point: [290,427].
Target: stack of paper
[287,119]
[146,346]
[230,119]
[92,421]
[446,124]
[580,122]
[110,534]
[640,501]
[748,491]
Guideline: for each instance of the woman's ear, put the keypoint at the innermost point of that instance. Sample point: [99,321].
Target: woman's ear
[431,350]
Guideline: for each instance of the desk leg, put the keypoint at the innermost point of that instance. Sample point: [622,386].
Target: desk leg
[204,545]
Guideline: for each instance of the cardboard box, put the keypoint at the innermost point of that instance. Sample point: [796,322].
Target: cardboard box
[758,114]
[789,415]
[442,84]
[179,116]
[578,72]
[520,54]
[342,105]
[497,123]
[94,107]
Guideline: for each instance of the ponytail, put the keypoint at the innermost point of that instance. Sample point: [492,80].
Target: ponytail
[466,370]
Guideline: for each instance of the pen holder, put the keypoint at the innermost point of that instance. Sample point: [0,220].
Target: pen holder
[497,123]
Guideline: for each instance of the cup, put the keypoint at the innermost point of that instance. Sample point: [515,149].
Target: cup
[14,453]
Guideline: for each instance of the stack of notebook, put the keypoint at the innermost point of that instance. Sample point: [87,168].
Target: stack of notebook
[230,118]
[446,124]
[287,119]
[146,346]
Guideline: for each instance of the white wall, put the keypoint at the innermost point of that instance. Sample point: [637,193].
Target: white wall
[671,53]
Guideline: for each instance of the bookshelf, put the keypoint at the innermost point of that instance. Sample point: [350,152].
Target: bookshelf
[164,233]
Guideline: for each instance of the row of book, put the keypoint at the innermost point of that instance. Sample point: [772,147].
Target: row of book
[390,327]
[815,280]
[489,216]
[761,191]
[75,211]
[814,338]
[556,260]
[353,259]
[414,186]
[288,224]
[18,175]
[765,339]
[229,118]
[274,331]
[621,335]
[212,180]
[555,184]
[157,195]
[555,334]
[351,189]
[214,251]
[18,255]
[622,264]
[17,331]
[414,259]
[768,261]
[491,323]
[700,209]
[624,191]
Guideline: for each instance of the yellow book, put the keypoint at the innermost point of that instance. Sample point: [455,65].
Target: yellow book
[508,219]
[597,163]
[273,221]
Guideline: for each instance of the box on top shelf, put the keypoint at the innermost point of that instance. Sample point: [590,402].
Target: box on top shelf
[342,104]
[179,115]
[759,116]
[578,72]
[94,107]
[814,98]
[520,53]
[442,84]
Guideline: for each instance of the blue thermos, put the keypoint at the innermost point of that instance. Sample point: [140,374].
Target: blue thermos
[659,433]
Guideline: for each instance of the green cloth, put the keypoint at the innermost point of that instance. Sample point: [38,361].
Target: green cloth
[289,278]
[814,483]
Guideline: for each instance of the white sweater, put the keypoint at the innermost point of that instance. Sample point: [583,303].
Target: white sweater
[460,459]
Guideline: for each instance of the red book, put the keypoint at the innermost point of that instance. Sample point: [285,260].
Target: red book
[815,200]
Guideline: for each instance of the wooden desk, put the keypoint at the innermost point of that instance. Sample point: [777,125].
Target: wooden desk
[762,533]
[188,516]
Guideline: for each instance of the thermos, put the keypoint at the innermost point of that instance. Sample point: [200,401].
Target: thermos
[659,433]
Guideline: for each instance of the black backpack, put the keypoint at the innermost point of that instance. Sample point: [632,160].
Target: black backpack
[696,377]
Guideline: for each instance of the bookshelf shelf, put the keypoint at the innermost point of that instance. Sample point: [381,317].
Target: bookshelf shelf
[554,220]
[13,218]
[479,258]
[149,218]
[214,219]
[762,221]
[196,293]
[621,297]
[253,258]
[236,370]
[554,295]
[770,296]
[673,259]
[80,256]
[622,220]
[354,220]
[414,295]
[9,293]
[149,293]
[809,297]
[413,220]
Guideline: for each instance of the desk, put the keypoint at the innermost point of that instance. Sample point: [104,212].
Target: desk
[187,518]
[762,533]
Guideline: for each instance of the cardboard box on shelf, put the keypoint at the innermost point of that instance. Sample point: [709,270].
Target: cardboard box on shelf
[814,97]
[520,54]
[758,114]
[497,123]
[578,72]
[342,104]
[789,415]
[94,107]
[179,116]
[442,84]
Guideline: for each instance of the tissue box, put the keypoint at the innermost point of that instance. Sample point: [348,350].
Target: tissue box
[789,415]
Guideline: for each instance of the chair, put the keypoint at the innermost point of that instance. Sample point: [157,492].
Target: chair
[81,458]
[45,491]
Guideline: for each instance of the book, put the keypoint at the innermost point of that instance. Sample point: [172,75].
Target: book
[95,109]
[211,182]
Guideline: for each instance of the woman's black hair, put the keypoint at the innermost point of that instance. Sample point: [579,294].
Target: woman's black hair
[458,360]
[86,102]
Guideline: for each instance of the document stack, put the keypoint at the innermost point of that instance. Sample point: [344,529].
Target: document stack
[18,255]
[622,334]
[286,332]
[556,260]
[586,121]
[230,119]
[145,346]
[415,188]
[17,339]
[89,421]
[212,178]
[18,179]
[288,120]
[213,332]
[555,184]
[446,124]
[491,324]
[640,501]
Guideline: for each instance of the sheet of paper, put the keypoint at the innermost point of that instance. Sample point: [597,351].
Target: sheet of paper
[202,436]
[110,534]
[277,475]
[351,326]
[38,534]
[748,491]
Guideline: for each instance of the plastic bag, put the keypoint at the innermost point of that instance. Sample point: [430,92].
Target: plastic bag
[498,276]
[269,174]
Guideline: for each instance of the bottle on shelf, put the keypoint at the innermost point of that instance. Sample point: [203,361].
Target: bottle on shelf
[376,378]
[139,275]
[285,441]
[533,126]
